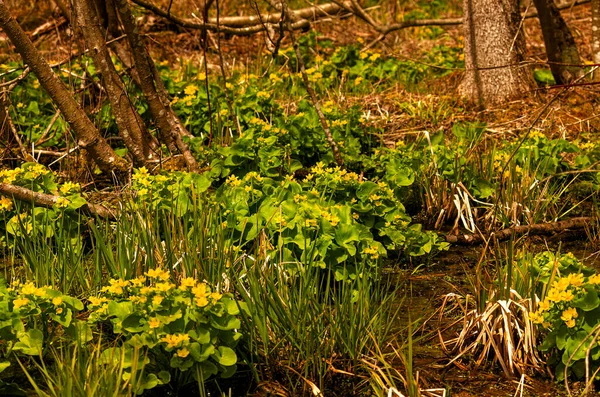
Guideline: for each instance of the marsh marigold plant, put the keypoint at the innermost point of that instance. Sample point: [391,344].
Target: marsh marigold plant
[186,324]
[569,315]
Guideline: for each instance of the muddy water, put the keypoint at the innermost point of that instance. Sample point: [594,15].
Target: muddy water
[423,290]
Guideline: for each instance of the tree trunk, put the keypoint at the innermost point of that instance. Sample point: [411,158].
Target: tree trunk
[561,49]
[494,48]
[596,37]
[169,125]
[87,135]
[130,124]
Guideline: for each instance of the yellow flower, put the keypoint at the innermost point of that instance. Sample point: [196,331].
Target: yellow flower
[68,187]
[187,282]
[6,204]
[536,317]
[62,202]
[544,306]
[175,340]
[57,301]
[154,323]
[263,94]
[164,287]
[562,284]
[138,282]
[568,315]
[216,296]
[201,301]
[20,302]
[199,290]
[191,89]
[28,289]
[374,57]
[233,181]
[145,290]
[95,301]
[158,273]
[138,299]
[59,310]
[570,323]
[567,296]
[576,280]
[183,352]
[595,279]
[157,300]
[372,251]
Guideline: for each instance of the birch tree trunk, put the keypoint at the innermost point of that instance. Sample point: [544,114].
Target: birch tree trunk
[494,48]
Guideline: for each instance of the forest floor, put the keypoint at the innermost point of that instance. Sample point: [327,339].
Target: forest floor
[403,112]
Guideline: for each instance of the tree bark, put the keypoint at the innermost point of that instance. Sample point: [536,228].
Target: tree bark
[535,229]
[596,37]
[130,124]
[48,201]
[85,131]
[561,49]
[494,48]
[168,123]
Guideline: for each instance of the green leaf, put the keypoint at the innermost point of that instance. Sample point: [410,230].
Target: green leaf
[366,189]
[30,342]
[79,331]
[544,77]
[589,301]
[226,356]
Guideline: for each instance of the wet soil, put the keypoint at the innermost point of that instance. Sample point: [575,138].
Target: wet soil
[453,272]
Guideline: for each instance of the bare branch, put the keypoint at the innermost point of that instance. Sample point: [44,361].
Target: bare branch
[49,200]
[536,229]
[88,136]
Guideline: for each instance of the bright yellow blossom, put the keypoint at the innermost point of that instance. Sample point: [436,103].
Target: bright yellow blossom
[175,340]
[20,302]
[158,273]
[183,352]
[154,323]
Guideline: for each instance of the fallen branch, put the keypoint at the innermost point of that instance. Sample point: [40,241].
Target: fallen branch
[309,13]
[250,24]
[535,229]
[49,200]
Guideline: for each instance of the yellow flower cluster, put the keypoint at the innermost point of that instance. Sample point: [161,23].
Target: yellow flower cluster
[372,251]
[69,187]
[6,204]
[586,145]
[62,202]
[176,340]
[331,218]
[536,134]
[233,180]
[339,123]
[263,94]
[28,294]
[500,160]
[563,290]
[9,176]
[568,316]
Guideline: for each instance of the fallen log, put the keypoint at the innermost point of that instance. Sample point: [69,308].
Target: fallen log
[48,200]
[538,229]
